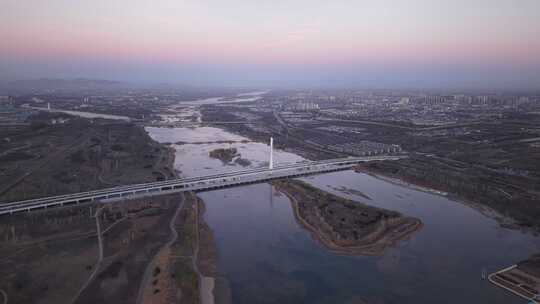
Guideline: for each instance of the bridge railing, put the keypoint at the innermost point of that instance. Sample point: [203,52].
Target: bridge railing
[99,191]
[189,184]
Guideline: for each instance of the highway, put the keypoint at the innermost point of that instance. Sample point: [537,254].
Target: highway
[202,183]
[409,128]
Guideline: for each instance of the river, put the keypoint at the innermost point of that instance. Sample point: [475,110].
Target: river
[84,114]
[244,97]
[264,256]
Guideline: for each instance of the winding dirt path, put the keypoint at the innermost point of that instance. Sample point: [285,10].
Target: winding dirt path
[100,256]
[148,271]
[173,220]
[4,294]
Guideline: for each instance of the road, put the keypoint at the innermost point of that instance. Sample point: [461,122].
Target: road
[280,120]
[492,279]
[368,122]
[151,265]
[4,294]
[100,251]
[15,149]
[323,119]
[300,140]
[203,183]
[100,255]
[409,128]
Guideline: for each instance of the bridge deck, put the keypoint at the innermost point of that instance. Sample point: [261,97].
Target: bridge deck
[203,183]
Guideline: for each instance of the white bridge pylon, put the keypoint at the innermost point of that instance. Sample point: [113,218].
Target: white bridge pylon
[271,162]
[200,183]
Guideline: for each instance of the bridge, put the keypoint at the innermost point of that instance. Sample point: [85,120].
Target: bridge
[202,183]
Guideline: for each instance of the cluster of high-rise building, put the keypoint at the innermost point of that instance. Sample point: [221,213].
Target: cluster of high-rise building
[365,148]
[303,106]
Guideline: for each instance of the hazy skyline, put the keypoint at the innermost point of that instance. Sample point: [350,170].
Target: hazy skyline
[420,43]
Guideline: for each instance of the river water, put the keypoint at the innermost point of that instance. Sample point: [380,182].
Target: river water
[244,97]
[266,257]
[85,114]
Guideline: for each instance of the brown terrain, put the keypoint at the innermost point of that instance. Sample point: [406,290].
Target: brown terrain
[143,250]
[170,276]
[45,159]
[128,247]
[47,257]
[54,256]
[207,259]
[179,268]
[345,226]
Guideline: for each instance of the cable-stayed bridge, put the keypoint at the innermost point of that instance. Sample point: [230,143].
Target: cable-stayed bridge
[201,183]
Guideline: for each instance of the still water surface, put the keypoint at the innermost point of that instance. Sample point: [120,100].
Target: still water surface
[244,97]
[266,257]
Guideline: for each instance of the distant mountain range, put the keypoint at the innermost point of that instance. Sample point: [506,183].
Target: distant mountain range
[54,84]
[88,85]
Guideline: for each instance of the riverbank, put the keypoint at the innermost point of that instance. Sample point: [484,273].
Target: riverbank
[206,256]
[259,239]
[151,293]
[508,185]
[267,127]
[344,226]
[503,220]
[184,269]
[511,196]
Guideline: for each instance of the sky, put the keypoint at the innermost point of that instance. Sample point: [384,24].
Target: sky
[384,43]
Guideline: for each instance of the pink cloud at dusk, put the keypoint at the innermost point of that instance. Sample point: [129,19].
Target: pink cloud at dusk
[273,33]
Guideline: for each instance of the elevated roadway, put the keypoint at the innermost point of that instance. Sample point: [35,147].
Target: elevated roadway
[202,183]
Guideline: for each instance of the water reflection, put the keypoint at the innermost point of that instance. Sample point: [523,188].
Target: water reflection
[194,160]
[267,257]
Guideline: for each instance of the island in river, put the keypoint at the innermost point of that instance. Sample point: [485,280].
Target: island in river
[226,155]
[344,226]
